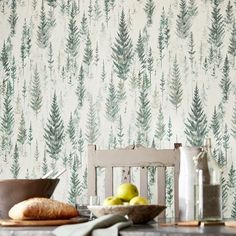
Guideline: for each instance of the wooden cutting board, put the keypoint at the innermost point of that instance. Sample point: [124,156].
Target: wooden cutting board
[42,222]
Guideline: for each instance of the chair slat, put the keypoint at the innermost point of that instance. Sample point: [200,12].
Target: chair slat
[143,181]
[161,187]
[92,176]
[108,181]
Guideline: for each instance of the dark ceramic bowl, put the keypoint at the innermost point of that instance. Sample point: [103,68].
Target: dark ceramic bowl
[13,191]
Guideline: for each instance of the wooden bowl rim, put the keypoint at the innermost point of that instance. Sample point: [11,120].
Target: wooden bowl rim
[127,206]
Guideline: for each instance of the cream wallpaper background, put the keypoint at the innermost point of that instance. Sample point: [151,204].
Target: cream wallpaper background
[114,73]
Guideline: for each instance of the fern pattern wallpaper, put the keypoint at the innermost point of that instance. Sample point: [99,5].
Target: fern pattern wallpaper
[114,73]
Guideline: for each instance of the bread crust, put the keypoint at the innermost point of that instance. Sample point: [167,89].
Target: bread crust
[42,209]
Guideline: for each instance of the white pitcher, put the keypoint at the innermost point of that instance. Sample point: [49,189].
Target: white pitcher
[186,182]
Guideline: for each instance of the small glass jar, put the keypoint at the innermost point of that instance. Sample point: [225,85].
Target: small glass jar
[207,188]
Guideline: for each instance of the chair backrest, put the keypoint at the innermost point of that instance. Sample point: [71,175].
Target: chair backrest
[135,157]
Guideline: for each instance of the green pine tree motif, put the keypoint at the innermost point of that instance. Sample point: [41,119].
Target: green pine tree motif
[220,158]
[160,130]
[167,32]
[169,132]
[229,16]
[162,85]
[30,134]
[5,62]
[211,55]
[225,195]
[43,33]
[121,92]
[205,65]
[72,40]
[7,119]
[15,166]
[88,51]
[225,141]
[75,184]
[90,11]
[110,139]
[107,10]
[92,129]
[112,107]
[183,23]
[149,10]
[13,72]
[216,30]
[141,53]
[36,153]
[120,132]
[85,180]
[96,57]
[34,4]
[80,144]
[151,177]
[24,90]
[71,131]
[122,50]
[233,129]
[169,189]
[192,8]
[232,178]
[50,59]
[112,4]
[63,8]
[13,17]
[232,43]
[191,50]
[36,93]
[44,164]
[103,74]
[52,3]
[143,116]
[22,134]
[176,91]
[225,82]
[28,40]
[215,126]
[23,49]
[233,208]
[97,11]
[83,27]
[150,61]
[54,131]
[51,19]
[196,123]
[80,90]
[161,44]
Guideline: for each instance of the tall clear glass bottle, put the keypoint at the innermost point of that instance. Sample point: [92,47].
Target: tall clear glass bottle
[208,197]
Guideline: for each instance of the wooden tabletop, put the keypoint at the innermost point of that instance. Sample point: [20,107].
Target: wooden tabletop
[175,230]
[136,230]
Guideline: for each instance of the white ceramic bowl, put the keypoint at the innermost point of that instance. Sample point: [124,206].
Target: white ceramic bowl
[137,213]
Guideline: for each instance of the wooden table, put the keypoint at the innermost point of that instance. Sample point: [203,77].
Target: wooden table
[135,230]
[155,229]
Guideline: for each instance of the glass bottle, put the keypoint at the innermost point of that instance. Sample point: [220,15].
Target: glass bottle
[208,197]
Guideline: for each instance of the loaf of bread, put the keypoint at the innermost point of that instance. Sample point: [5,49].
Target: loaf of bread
[42,209]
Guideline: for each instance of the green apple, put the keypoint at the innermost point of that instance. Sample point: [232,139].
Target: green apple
[139,201]
[112,200]
[127,191]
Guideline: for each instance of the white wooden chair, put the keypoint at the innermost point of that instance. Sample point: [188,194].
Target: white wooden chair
[135,157]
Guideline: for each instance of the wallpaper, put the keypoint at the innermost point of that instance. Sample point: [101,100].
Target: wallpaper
[114,73]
